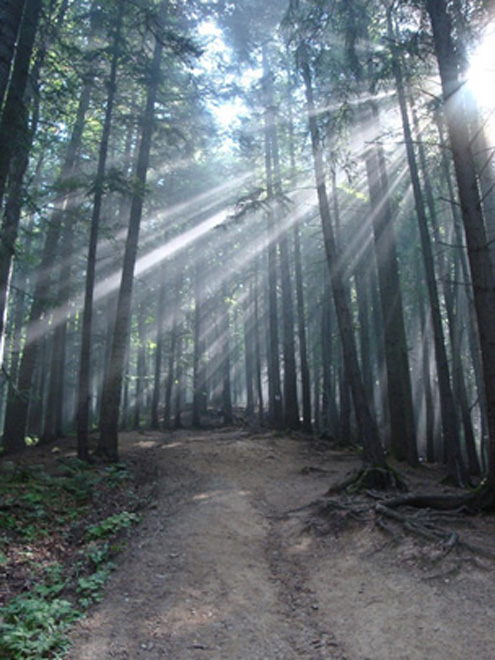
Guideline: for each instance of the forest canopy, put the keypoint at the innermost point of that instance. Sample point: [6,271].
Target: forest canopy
[274,213]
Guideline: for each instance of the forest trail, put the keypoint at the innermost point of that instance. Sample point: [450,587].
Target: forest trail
[223,568]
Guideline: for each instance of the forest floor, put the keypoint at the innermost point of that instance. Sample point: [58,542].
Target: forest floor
[241,555]
[232,562]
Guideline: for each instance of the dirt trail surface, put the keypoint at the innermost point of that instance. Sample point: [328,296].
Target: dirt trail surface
[223,567]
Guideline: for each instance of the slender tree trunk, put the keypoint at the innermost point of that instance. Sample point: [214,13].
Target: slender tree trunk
[199,376]
[455,320]
[10,22]
[84,390]
[257,348]
[403,439]
[15,142]
[140,368]
[465,291]
[299,281]
[482,274]
[228,415]
[455,466]
[362,290]
[179,390]
[373,453]
[330,418]
[427,429]
[249,350]
[158,358]
[12,134]
[52,428]
[10,229]
[173,357]
[301,327]
[291,406]
[109,419]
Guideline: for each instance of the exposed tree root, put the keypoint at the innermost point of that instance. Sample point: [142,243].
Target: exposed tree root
[481,500]
[371,478]
[428,529]
[427,517]
[437,502]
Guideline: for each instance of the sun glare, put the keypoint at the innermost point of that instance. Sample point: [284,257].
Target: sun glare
[481,73]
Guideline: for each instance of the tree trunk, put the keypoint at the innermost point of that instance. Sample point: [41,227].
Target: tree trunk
[275,193]
[158,358]
[482,275]
[84,389]
[12,134]
[403,438]
[228,416]
[249,349]
[373,453]
[199,376]
[15,141]
[109,419]
[301,329]
[257,349]
[10,22]
[140,368]
[455,465]
[18,406]
[179,391]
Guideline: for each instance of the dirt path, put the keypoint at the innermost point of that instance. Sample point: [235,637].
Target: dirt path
[217,570]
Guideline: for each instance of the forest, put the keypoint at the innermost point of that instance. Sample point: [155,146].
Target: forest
[247,248]
[276,214]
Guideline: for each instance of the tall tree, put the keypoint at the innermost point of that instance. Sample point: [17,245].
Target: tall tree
[403,437]
[291,406]
[483,280]
[84,395]
[10,21]
[109,416]
[11,124]
[448,409]
[373,452]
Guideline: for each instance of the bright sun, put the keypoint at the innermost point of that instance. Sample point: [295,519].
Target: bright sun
[481,73]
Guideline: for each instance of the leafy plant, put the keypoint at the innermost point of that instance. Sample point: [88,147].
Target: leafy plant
[34,626]
[98,554]
[111,525]
[90,588]
[37,503]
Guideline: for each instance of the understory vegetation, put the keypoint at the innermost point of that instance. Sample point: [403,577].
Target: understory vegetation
[63,522]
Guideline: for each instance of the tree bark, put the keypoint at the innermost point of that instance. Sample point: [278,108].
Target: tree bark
[10,22]
[84,389]
[455,465]
[482,274]
[291,406]
[403,437]
[373,453]
[276,412]
[12,135]
[15,143]
[109,418]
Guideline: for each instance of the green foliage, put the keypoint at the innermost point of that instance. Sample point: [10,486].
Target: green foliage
[111,525]
[37,504]
[34,627]
[90,588]
[34,623]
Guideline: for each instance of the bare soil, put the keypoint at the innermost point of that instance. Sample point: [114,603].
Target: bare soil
[231,562]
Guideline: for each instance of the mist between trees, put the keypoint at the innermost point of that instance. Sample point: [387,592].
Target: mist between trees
[277,214]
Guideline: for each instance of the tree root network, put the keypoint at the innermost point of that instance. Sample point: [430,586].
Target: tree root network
[366,496]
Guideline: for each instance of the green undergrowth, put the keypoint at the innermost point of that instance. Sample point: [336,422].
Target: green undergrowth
[61,528]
